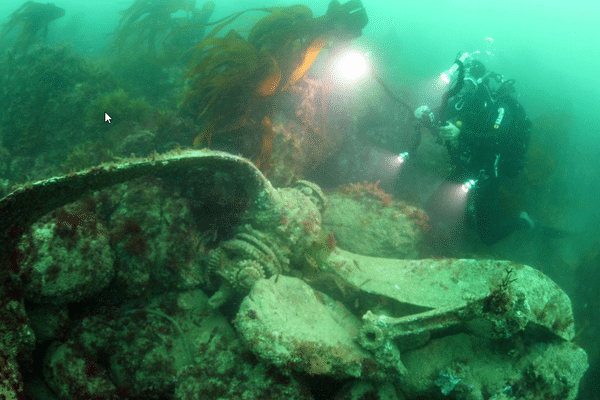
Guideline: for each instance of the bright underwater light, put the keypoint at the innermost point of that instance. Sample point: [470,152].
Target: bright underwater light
[444,78]
[388,163]
[449,75]
[468,185]
[402,157]
[352,65]
[348,68]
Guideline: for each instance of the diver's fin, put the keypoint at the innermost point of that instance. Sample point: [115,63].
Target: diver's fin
[544,230]
[555,233]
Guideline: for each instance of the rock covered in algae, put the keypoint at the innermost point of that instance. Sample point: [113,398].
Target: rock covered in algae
[473,368]
[172,347]
[364,390]
[229,371]
[367,221]
[49,322]
[66,256]
[73,375]
[154,237]
[149,235]
[288,323]
[139,347]
[26,205]
[17,343]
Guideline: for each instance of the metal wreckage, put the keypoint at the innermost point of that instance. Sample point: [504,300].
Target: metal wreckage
[401,329]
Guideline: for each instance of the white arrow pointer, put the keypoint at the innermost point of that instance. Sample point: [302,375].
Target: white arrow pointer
[107,117]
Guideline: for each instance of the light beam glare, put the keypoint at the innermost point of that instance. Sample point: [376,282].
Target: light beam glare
[352,65]
[348,69]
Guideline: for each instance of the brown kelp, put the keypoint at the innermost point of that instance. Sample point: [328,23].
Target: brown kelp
[32,18]
[146,25]
[188,31]
[233,79]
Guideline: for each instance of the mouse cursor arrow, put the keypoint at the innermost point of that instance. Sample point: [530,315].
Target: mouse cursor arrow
[107,117]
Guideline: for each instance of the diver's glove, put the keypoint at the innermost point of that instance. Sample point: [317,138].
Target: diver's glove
[449,132]
[424,111]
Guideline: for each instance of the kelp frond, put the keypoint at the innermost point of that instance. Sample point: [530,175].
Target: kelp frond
[33,19]
[144,20]
[232,63]
[225,63]
[308,57]
[153,9]
[282,25]
[232,78]
[147,24]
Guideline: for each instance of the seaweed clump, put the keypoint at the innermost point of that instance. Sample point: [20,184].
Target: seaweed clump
[234,80]
[45,92]
[32,18]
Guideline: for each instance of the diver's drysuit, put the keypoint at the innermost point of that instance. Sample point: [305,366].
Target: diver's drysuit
[494,136]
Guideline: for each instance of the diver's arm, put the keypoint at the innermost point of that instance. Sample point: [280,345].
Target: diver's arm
[427,118]
[449,132]
[425,115]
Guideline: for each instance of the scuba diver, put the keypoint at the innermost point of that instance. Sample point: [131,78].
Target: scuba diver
[486,132]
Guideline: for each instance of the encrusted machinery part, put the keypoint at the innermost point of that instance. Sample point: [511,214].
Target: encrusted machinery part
[444,293]
[411,331]
[24,206]
[313,192]
[273,238]
[247,257]
[448,316]
[27,204]
[276,227]
[427,299]
[248,272]
[255,244]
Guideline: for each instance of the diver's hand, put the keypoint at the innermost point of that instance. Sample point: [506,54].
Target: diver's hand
[423,111]
[449,132]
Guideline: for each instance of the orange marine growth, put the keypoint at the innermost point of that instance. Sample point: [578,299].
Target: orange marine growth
[266,148]
[270,84]
[308,58]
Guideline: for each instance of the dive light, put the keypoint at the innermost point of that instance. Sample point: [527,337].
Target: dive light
[469,185]
[403,157]
[448,76]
